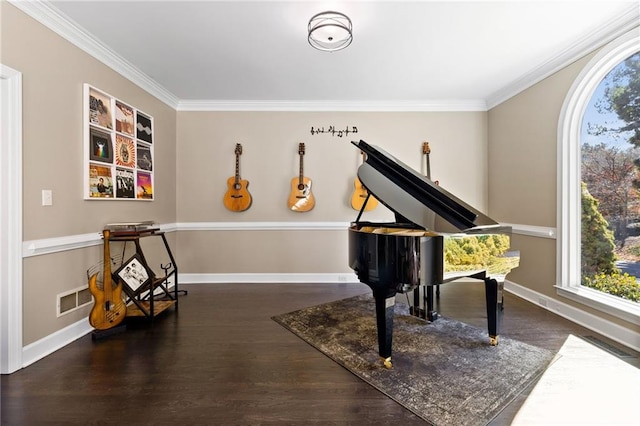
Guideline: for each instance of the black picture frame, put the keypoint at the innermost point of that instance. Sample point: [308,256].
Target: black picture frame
[134,273]
[144,158]
[125,183]
[100,146]
[144,128]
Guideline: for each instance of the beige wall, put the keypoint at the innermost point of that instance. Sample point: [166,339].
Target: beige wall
[523,143]
[522,172]
[206,143]
[53,75]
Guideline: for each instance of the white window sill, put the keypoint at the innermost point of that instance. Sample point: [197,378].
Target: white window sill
[612,305]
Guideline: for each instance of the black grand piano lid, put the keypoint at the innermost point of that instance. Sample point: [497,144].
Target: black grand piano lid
[407,193]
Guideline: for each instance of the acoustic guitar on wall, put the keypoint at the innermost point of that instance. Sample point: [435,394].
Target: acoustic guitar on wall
[301,198]
[426,151]
[109,308]
[360,194]
[237,197]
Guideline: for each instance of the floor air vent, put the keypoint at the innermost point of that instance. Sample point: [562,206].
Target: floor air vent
[74,299]
[607,347]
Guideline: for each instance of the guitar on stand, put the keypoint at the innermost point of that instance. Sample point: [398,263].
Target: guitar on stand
[360,194]
[237,197]
[301,198]
[109,308]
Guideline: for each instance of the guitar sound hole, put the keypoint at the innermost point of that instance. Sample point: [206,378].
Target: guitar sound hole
[301,187]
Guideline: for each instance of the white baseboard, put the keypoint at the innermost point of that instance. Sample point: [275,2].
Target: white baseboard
[267,278]
[622,335]
[48,345]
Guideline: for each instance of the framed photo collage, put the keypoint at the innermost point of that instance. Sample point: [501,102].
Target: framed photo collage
[118,147]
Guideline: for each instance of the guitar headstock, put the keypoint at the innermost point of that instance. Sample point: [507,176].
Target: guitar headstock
[238,149]
[425,148]
[301,148]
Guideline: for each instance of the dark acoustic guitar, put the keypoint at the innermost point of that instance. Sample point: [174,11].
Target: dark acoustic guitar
[109,308]
[237,197]
[360,195]
[301,198]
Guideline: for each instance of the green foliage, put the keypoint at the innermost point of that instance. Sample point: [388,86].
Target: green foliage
[612,177]
[597,240]
[616,284]
[474,252]
[624,97]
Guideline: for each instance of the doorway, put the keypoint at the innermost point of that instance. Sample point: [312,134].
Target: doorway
[10,220]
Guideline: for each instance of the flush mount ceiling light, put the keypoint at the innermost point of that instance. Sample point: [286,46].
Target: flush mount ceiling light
[330,31]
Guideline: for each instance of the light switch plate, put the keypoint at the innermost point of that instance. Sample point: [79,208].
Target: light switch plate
[47,197]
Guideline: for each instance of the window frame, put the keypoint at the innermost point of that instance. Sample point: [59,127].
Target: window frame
[568,280]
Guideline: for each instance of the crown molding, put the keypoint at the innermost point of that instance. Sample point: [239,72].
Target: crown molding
[598,38]
[43,12]
[320,106]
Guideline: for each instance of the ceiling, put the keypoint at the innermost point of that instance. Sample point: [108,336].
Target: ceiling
[404,53]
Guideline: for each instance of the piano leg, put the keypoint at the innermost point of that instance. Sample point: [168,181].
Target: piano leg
[432,315]
[416,309]
[423,305]
[494,296]
[384,320]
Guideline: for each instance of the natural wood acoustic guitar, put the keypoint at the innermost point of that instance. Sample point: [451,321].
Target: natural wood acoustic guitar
[301,198]
[360,195]
[109,308]
[237,198]
[426,151]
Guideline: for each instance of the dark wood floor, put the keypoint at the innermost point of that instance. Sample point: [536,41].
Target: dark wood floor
[222,360]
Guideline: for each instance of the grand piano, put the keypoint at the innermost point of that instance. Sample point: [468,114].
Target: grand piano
[431,242]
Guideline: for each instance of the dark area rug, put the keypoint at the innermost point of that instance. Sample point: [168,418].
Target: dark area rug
[445,372]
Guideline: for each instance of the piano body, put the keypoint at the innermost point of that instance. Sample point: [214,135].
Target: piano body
[425,246]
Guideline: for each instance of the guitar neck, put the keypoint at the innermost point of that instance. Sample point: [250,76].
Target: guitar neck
[106,279]
[426,151]
[237,169]
[301,178]
[428,167]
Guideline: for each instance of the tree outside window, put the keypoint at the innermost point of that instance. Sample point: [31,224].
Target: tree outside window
[610,173]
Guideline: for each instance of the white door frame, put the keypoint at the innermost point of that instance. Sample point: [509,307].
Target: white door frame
[10,220]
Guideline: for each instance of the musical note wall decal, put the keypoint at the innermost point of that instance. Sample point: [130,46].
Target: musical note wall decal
[334,131]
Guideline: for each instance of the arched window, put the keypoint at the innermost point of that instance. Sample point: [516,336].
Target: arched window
[571,136]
